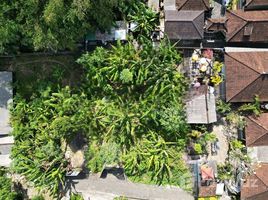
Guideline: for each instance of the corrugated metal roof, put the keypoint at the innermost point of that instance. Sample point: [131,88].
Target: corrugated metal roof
[201,107]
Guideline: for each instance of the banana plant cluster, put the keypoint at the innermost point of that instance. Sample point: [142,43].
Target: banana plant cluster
[39,128]
[136,98]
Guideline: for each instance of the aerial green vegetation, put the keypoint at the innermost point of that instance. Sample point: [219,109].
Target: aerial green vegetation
[6,191]
[52,24]
[129,107]
[132,91]
[123,105]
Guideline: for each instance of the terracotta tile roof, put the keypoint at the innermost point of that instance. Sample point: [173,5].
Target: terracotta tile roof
[256,185]
[246,76]
[257,130]
[184,24]
[192,4]
[239,22]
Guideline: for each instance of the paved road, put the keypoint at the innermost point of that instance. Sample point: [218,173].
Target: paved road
[110,187]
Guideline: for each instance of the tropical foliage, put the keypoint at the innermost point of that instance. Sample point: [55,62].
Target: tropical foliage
[52,24]
[129,107]
[6,191]
[133,91]
[39,128]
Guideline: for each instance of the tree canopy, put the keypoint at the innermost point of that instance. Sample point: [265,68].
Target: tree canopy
[52,24]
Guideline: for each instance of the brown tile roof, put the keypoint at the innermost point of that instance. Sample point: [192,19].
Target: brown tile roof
[184,24]
[216,24]
[257,130]
[250,3]
[246,76]
[239,21]
[208,191]
[192,4]
[256,185]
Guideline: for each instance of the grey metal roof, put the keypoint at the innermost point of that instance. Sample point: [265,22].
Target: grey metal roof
[201,107]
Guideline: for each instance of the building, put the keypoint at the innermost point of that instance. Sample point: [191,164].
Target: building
[192,5]
[201,106]
[256,132]
[184,25]
[256,5]
[247,27]
[246,76]
[255,186]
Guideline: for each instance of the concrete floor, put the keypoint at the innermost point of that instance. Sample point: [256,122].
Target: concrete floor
[95,188]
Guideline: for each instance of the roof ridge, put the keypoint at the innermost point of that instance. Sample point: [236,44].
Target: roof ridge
[243,62]
[259,126]
[200,34]
[262,183]
[247,67]
[242,26]
[249,2]
[185,1]
[245,87]
[206,4]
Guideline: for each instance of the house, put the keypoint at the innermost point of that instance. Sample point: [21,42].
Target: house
[184,25]
[193,5]
[255,186]
[245,27]
[6,141]
[201,106]
[256,5]
[246,75]
[256,132]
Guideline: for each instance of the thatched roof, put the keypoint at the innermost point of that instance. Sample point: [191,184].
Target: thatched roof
[246,76]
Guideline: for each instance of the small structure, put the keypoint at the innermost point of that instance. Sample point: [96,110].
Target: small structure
[255,186]
[247,26]
[119,32]
[184,25]
[192,5]
[246,76]
[6,94]
[256,5]
[201,107]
